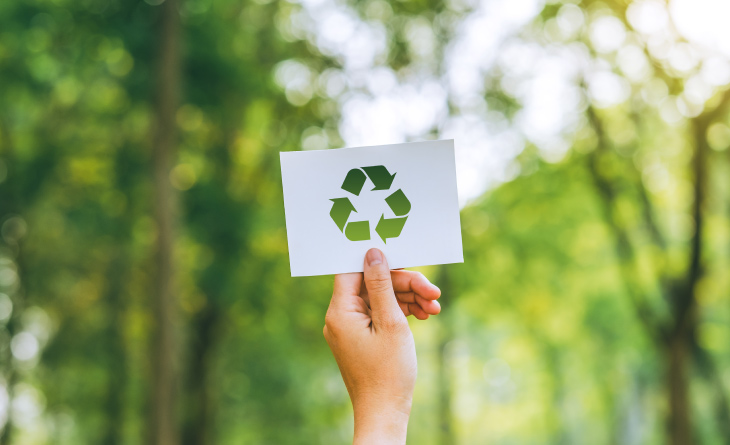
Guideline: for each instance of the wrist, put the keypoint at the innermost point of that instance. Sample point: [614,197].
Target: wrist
[381,422]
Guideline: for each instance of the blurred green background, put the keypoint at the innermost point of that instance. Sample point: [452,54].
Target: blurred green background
[145,294]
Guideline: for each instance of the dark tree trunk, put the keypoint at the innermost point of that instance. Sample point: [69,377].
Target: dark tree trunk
[677,381]
[117,371]
[199,416]
[163,420]
[684,301]
[674,338]
[11,197]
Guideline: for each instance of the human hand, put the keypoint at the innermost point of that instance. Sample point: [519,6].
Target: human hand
[415,294]
[367,330]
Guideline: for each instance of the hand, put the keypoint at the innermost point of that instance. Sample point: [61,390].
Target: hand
[367,330]
[415,294]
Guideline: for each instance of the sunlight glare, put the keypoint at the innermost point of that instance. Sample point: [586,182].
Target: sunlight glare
[703,22]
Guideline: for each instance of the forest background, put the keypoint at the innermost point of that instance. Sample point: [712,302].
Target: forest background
[145,294]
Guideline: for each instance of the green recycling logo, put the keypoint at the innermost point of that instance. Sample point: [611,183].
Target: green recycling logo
[360,230]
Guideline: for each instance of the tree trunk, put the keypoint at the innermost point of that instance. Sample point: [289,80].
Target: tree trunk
[199,418]
[677,380]
[163,421]
[706,365]
[11,197]
[445,417]
[117,357]
[445,380]
[684,302]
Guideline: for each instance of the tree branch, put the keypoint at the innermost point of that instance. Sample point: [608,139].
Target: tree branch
[624,249]
[686,299]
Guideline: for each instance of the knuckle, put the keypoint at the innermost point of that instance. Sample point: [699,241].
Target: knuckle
[394,325]
[379,283]
[330,324]
[326,333]
[328,319]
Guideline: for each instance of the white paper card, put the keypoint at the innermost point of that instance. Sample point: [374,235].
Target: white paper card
[400,198]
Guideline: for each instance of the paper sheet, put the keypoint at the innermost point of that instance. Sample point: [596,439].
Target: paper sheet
[400,198]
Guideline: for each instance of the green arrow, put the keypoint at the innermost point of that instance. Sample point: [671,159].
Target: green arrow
[380,176]
[390,227]
[341,211]
[354,181]
[358,231]
[399,204]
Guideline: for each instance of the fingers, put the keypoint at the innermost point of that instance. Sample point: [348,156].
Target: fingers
[414,287]
[413,309]
[347,311]
[417,311]
[404,308]
[431,307]
[383,304]
[348,283]
[411,289]
[346,290]
[407,284]
[409,281]
[406,297]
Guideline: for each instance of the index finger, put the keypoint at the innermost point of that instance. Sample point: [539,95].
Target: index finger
[348,283]
[410,281]
[346,288]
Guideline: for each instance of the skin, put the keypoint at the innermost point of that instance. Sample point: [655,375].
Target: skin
[367,331]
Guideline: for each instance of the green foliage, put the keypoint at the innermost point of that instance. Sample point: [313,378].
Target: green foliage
[554,330]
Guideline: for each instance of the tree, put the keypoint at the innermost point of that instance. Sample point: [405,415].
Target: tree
[163,421]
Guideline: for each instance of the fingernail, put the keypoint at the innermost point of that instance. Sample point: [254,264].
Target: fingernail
[374,257]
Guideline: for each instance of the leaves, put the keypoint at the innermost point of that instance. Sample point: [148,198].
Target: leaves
[576,269]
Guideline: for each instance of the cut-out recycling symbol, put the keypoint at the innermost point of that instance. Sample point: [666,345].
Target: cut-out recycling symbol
[360,230]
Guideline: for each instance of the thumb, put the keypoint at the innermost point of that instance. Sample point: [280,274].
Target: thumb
[384,306]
